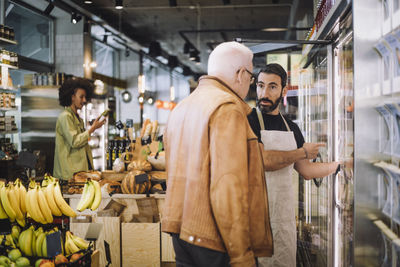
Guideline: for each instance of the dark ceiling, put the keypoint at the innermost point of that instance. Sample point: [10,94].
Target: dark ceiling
[204,23]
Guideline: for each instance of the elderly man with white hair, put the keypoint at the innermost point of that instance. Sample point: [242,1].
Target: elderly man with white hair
[216,207]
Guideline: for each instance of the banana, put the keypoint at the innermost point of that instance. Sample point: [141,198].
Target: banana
[32,203]
[15,232]
[44,246]
[13,197]
[6,203]
[39,243]
[21,239]
[79,242]
[70,243]
[3,214]
[44,208]
[87,196]
[22,222]
[61,203]
[22,196]
[97,195]
[49,193]
[25,241]
[33,244]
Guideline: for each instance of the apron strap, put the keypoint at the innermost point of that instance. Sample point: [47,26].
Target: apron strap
[261,120]
[287,126]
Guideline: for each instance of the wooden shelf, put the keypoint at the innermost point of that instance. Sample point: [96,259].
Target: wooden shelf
[7,41]
[8,66]
[40,86]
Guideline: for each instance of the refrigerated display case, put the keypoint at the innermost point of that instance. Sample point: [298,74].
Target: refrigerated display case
[325,232]
[98,140]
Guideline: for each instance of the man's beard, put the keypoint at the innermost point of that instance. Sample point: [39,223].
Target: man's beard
[268,109]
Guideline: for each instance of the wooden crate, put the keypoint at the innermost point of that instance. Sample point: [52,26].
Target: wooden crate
[167,249]
[110,232]
[141,244]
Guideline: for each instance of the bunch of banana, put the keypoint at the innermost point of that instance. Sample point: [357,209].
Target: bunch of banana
[47,180]
[91,196]
[37,207]
[12,204]
[25,241]
[61,203]
[9,241]
[74,243]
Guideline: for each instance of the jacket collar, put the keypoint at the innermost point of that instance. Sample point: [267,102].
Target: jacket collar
[206,79]
[76,118]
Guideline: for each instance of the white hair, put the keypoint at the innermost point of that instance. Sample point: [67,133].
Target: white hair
[227,58]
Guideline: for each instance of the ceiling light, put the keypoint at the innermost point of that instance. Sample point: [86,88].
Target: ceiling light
[274,29]
[193,54]
[119,4]
[150,100]
[126,96]
[88,2]
[75,18]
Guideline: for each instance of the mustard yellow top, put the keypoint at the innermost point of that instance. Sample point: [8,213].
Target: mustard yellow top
[72,151]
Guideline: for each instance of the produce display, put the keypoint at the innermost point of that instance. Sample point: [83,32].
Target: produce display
[39,202]
[30,245]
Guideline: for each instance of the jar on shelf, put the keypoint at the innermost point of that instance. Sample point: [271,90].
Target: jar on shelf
[1,30]
[6,32]
[12,34]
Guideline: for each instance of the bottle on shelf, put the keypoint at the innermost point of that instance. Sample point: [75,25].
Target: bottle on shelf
[109,154]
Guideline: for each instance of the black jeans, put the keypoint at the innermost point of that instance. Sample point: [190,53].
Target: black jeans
[189,255]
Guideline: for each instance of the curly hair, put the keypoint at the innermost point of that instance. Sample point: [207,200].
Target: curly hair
[69,87]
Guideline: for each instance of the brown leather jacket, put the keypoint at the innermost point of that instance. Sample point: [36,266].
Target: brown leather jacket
[216,191]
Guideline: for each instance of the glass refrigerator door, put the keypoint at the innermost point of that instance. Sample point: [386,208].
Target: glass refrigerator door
[343,140]
[98,140]
[314,210]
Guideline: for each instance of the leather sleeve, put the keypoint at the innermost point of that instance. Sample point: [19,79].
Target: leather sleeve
[229,186]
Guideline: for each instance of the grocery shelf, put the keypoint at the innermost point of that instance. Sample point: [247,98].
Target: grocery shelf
[9,89]
[9,132]
[7,41]
[40,86]
[7,109]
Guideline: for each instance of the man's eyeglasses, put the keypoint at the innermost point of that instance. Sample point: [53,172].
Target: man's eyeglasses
[252,77]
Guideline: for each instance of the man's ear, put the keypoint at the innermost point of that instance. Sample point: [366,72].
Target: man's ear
[240,75]
[284,91]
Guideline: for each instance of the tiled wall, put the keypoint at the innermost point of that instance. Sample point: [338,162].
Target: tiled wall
[69,54]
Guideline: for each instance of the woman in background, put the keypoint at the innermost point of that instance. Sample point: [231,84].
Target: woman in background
[72,151]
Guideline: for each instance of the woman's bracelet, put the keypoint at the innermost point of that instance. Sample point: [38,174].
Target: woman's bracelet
[305,151]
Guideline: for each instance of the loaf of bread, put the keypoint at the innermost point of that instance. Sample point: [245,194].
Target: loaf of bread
[81,177]
[140,165]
